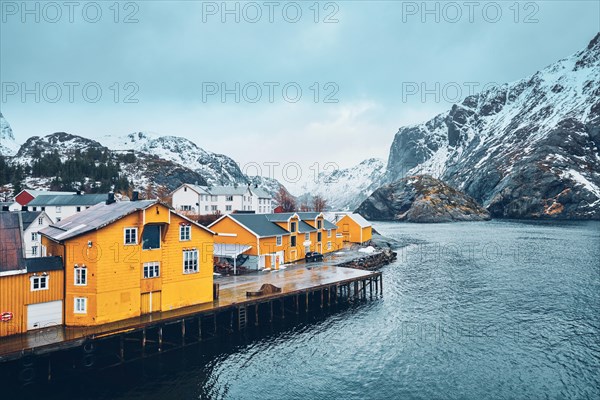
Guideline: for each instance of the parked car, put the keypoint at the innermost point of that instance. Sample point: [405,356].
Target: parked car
[313,256]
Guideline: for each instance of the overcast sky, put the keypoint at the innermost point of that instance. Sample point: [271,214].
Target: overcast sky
[365,58]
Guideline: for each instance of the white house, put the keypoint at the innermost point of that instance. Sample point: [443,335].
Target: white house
[58,207]
[204,200]
[31,223]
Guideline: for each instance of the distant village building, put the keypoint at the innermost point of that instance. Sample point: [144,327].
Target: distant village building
[206,200]
[25,196]
[60,206]
[123,259]
[31,289]
[353,227]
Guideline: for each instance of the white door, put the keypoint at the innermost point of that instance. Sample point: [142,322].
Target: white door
[43,315]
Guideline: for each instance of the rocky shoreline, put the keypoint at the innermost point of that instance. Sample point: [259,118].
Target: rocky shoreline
[371,262]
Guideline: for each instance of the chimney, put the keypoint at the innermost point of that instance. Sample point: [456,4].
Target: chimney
[111,198]
[5,208]
[135,196]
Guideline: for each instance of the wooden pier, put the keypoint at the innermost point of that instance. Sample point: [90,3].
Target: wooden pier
[34,356]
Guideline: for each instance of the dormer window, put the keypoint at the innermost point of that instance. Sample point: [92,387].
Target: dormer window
[319,224]
[292,227]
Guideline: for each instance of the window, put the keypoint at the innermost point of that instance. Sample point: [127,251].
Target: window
[185,232]
[80,305]
[185,189]
[205,208]
[34,236]
[58,209]
[328,245]
[293,241]
[40,221]
[319,224]
[78,209]
[39,283]
[43,208]
[307,236]
[80,276]
[318,236]
[131,235]
[213,198]
[278,240]
[228,208]
[292,227]
[151,270]
[34,208]
[190,261]
[186,208]
[34,251]
[229,198]
[151,237]
[329,233]
[213,208]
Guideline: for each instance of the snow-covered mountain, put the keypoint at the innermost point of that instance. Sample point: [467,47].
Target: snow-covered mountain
[344,189]
[143,158]
[8,144]
[216,169]
[524,149]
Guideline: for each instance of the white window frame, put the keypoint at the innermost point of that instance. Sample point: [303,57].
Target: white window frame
[186,207]
[279,240]
[307,236]
[328,245]
[228,207]
[293,224]
[39,279]
[151,270]
[80,276]
[319,224]
[229,198]
[34,236]
[213,208]
[328,233]
[41,221]
[58,209]
[182,230]
[80,305]
[135,229]
[34,251]
[186,259]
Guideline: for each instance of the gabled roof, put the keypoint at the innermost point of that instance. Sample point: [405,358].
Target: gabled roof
[36,193]
[71,200]
[310,215]
[29,217]
[258,224]
[303,227]
[11,243]
[94,218]
[232,190]
[359,219]
[281,217]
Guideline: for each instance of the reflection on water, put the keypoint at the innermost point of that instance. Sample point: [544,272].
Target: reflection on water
[498,309]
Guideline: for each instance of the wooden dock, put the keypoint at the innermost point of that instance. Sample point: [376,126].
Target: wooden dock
[303,289]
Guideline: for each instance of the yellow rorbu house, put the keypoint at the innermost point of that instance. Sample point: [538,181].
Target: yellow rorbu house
[124,259]
[31,289]
[353,227]
[262,241]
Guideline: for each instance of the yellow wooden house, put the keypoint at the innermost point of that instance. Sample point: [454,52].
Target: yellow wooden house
[124,259]
[31,289]
[353,227]
[270,240]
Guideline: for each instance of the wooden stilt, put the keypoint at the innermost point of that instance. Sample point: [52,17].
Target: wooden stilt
[160,338]
[256,314]
[199,328]
[122,348]
[183,332]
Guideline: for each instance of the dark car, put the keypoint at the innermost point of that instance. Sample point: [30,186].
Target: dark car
[313,256]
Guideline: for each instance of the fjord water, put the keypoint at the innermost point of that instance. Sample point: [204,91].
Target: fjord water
[499,310]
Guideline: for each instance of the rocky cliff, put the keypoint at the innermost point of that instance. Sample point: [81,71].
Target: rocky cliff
[421,198]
